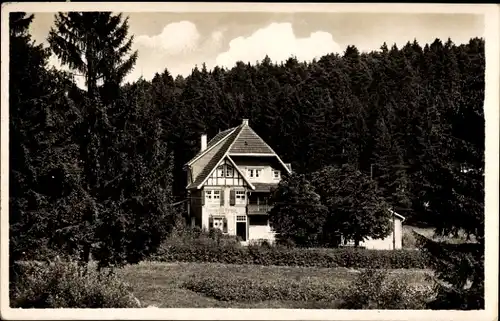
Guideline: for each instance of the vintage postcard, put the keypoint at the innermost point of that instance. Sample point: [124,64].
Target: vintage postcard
[249,161]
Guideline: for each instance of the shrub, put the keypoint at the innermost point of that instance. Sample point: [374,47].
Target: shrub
[409,240]
[251,290]
[373,289]
[229,253]
[198,236]
[66,285]
[459,274]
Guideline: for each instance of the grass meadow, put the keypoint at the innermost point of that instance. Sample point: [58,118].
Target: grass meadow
[163,285]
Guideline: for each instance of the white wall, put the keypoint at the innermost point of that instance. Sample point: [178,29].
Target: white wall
[261,232]
[387,242]
[266,174]
[230,212]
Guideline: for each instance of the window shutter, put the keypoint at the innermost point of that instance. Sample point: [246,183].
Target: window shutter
[225,225]
[203,197]
[222,197]
[210,222]
[232,198]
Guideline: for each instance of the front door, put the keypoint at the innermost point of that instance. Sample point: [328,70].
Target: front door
[241,227]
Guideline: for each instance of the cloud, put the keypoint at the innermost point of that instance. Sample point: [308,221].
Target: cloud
[175,38]
[278,42]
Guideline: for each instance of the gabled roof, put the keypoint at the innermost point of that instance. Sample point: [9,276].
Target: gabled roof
[240,140]
[249,142]
[214,141]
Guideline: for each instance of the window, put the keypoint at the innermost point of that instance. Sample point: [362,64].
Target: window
[241,218]
[254,172]
[229,171]
[276,174]
[212,196]
[219,223]
[240,197]
[220,171]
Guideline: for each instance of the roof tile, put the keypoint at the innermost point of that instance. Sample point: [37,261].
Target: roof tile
[249,142]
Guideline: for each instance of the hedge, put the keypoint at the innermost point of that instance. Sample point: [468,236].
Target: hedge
[251,290]
[260,255]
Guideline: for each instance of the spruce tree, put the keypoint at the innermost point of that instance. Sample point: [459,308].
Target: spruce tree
[94,44]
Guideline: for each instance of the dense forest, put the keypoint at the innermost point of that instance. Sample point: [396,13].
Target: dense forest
[101,170]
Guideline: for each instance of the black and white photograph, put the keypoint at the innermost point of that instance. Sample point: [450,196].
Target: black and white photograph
[318,159]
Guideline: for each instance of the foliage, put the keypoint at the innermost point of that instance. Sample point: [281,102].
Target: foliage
[356,209]
[411,117]
[230,288]
[61,284]
[459,274]
[44,175]
[408,239]
[186,236]
[297,213]
[95,44]
[204,250]
[374,289]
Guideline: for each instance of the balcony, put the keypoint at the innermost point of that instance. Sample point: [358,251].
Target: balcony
[258,208]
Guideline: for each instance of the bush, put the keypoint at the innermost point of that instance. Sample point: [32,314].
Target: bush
[66,285]
[459,274]
[197,236]
[230,253]
[373,289]
[409,240]
[251,290]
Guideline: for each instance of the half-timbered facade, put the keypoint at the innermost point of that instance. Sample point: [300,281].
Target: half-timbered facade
[230,181]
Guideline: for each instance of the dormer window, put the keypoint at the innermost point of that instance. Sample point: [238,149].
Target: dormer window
[254,172]
[220,171]
[276,174]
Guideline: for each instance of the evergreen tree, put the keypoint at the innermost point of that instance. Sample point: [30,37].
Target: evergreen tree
[44,168]
[94,44]
[137,212]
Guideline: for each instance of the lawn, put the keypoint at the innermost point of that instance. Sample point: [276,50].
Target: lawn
[162,284]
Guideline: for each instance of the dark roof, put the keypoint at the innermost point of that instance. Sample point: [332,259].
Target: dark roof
[214,141]
[217,157]
[236,140]
[248,142]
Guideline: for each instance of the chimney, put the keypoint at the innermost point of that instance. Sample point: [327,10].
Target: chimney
[245,122]
[203,142]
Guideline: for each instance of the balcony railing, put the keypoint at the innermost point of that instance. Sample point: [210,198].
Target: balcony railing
[258,208]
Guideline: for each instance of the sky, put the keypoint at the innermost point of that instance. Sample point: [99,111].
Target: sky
[180,41]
